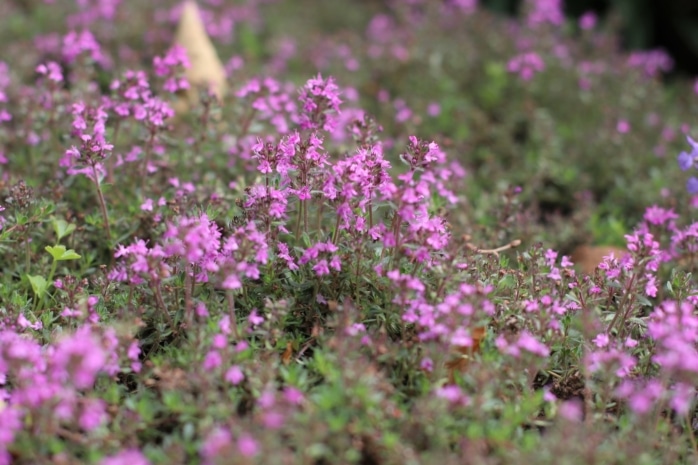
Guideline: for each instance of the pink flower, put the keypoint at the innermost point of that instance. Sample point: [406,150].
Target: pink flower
[247,445]
[212,360]
[434,109]
[93,414]
[682,397]
[24,323]
[215,444]
[652,62]
[52,70]
[601,340]
[452,394]
[588,20]
[273,420]
[255,318]
[320,103]
[427,364]
[532,345]
[234,375]
[293,395]
[651,286]
[571,411]
[623,127]
[545,12]
[127,457]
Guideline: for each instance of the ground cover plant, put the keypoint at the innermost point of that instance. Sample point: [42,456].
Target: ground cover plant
[347,241]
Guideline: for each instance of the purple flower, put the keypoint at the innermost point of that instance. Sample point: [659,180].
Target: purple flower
[601,340]
[683,396]
[531,344]
[247,445]
[212,360]
[255,318]
[526,65]
[427,364]
[234,375]
[320,103]
[685,159]
[293,396]
[692,185]
[215,443]
[571,411]
[658,215]
[652,62]
[588,20]
[52,70]
[452,394]
[545,12]
[93,414]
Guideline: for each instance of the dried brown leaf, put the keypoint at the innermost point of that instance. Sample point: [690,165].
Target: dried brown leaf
[461,361]
[588,257]
[288,353]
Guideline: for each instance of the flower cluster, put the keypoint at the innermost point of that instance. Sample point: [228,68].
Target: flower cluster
[89,126]
[526,65]
[50,380]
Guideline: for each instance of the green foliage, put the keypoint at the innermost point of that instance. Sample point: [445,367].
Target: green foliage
[333,368]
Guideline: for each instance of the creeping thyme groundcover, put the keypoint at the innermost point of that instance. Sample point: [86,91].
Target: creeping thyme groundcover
[272,231]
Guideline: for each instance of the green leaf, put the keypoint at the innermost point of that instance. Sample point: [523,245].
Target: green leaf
[59,253]
[62,228]
[39,285]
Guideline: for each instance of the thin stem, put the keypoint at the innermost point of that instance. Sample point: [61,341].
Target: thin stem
[621,306]
[305,216]
[161,305]
[102,203]
[336,232]
[146,160]
[358,268]
[691,434]
[27,255]
[319,219]
[110,160]
[298,220]
[231,310]
[510,245]
[40,303]
[188,306]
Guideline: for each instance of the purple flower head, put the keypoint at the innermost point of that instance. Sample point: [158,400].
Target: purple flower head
[89,127]
[526,65]
[171,66]
[234,375]
[51,70]
[588,20]
[658,216]
[79,358]
[545,12]
[216,444]
[687,159]
[77,43]
[692,185]
[247,445]
[652,62]
[320,103]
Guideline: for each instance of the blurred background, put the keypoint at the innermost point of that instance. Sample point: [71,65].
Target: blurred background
[668,24]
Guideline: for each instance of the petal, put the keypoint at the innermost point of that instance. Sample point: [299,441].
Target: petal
[692,185]
[685,161]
